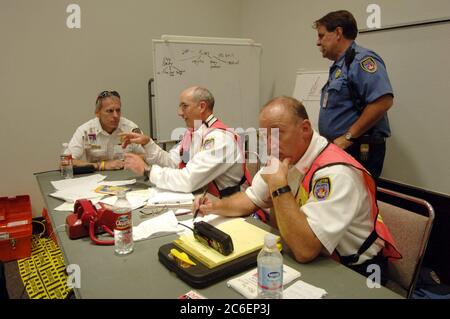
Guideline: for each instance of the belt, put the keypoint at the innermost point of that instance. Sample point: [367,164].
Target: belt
[371,139]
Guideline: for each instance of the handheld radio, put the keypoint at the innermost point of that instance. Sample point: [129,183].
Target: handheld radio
[213,237]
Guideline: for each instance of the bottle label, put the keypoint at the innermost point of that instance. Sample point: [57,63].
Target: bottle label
[66,160]
[270,278]
[123,221]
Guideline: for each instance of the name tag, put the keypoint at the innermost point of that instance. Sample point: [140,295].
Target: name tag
[325,100]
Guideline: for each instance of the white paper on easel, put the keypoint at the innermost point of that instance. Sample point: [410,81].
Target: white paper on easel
[308,88]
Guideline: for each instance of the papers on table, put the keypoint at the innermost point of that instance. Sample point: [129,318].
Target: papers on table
[160,196]
[72,194]
[137,198]
[70,190]
[303,290]
[68,207]
[247,284]
[118,183]
[161,225]
[79,182]
[247,238]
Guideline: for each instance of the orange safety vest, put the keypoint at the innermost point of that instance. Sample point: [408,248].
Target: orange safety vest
[333,155]
[212,186]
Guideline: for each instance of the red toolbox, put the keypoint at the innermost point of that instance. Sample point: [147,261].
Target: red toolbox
[15,227]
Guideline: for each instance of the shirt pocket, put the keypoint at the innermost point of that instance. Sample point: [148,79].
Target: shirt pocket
[335,93]
[335,86]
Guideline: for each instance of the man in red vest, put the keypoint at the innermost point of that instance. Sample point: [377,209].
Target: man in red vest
[322,199]
[208,155]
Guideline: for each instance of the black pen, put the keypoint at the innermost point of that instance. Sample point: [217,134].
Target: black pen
[199,203]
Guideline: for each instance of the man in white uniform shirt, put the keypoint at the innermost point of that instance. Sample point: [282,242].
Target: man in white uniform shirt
[208,155]
[97,142]
[319,204]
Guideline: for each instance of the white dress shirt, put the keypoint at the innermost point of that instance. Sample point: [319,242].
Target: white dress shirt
[342,221]
[107,145]
[213,157]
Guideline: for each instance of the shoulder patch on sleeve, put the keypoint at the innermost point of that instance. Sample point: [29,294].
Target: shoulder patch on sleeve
[369,65]
[208,144]
[322,188]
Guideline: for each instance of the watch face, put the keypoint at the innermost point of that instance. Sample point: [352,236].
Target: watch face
[348,136]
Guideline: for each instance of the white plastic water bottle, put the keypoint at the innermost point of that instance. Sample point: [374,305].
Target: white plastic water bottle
[66,162]
[270,270]
[123,231]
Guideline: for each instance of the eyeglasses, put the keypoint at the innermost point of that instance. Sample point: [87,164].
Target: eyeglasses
[157,209]
[104,94]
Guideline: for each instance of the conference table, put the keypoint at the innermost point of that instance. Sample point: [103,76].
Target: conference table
[138,275]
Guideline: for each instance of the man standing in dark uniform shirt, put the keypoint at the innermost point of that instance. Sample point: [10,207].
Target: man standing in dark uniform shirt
[358,94]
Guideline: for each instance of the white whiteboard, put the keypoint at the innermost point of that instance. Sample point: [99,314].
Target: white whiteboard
[308,87]
[229,68]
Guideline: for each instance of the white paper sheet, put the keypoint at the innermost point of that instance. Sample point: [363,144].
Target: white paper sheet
[78,182]
[78,192]
[118,183]
[247,284]
[161,225]
[167,197]
[135,202]
[303,290]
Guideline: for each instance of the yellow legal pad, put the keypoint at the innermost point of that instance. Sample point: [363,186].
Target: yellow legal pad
[246,237]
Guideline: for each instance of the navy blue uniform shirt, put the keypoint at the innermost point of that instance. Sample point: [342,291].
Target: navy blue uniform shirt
[370,79]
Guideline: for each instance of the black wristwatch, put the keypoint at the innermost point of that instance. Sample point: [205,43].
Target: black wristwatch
[281,190]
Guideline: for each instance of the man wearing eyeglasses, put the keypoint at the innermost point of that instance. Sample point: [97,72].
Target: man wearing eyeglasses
[208,154]
[97,142]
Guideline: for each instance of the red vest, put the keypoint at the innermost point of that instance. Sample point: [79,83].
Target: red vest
[184,149]
[333,155]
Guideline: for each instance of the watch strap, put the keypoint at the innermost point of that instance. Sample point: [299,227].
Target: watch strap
[281,190]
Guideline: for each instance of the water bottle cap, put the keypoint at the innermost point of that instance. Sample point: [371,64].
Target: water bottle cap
[121,193]
[270,240]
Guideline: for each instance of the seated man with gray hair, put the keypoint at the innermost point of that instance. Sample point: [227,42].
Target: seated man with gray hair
[208,155]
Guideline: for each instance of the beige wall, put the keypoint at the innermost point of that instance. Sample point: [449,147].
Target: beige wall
[50,75]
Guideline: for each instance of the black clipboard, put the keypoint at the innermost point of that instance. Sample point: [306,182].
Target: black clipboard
[200,276]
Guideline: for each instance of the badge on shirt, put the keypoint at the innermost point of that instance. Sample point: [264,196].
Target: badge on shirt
[322,188]
[369,65]
[208,144]
[337,74]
